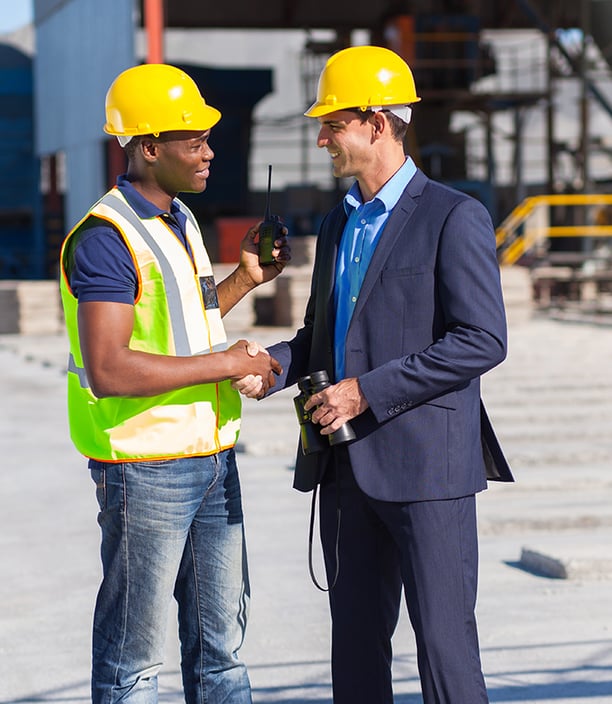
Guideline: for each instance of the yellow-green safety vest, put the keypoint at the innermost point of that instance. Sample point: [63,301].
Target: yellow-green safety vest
[176,313]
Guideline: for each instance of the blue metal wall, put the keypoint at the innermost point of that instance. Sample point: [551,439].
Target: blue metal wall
[21,249]
[81,45]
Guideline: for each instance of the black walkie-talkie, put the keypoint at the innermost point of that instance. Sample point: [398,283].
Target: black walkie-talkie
[270,230]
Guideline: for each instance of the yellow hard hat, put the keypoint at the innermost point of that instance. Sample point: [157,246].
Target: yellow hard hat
[155,98]
[363,77]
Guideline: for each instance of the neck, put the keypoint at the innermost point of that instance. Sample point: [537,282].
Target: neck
[152,192]
[377,176]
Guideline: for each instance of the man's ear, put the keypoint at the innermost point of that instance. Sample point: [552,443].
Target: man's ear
[378,122]
[149,149]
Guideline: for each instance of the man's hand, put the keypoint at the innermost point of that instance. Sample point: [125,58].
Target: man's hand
[255,384]
[250,385]
[337,404]
[250,273]
[249,265]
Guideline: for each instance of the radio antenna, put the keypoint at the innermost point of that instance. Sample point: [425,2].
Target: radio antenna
[267,213]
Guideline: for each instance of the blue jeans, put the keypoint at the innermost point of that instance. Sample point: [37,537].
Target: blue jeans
[170,527]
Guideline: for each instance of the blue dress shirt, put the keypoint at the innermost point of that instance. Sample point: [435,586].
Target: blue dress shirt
[362,231]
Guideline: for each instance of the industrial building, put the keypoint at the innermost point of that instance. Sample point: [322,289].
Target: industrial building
[516,104]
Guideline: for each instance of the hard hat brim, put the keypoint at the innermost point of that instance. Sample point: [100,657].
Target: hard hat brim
[318,109]
[206,118]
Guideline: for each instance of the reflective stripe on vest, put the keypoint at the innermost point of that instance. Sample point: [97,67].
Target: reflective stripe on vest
[142,236]
[176,313]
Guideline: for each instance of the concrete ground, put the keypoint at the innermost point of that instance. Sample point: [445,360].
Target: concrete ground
[544,638]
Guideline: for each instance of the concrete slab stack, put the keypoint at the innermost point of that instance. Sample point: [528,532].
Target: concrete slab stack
[30,307]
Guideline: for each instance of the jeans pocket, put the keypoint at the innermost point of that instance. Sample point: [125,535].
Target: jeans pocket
[98,474]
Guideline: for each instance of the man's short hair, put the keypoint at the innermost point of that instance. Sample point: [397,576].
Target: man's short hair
[131,147]
[398,126]
[134,144]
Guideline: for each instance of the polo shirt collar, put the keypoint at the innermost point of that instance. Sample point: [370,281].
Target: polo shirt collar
[140,205]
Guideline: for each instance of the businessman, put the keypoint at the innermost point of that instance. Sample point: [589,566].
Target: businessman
[405,314]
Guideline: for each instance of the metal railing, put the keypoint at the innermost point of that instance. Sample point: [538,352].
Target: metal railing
[528,225]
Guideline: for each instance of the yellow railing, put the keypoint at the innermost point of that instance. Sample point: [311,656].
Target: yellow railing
[528,225]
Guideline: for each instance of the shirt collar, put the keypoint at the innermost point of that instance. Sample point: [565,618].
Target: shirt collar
[389,194]
[139,204]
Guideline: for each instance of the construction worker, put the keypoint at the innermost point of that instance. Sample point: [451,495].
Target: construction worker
[151,403]
[405,314]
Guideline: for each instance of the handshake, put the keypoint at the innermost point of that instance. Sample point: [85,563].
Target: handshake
[329,406]
[257,371]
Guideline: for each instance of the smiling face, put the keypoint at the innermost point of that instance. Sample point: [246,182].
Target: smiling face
[363,146]
[182,161]
[348,140]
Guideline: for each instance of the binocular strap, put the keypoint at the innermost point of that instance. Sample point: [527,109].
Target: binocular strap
[311,534]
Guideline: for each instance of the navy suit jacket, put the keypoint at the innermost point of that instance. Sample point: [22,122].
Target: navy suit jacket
[428,322]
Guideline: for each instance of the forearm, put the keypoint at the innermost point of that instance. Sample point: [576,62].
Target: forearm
[115,369]
[233,289]
[133,373]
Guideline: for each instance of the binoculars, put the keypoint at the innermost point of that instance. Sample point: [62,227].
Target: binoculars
[310,433]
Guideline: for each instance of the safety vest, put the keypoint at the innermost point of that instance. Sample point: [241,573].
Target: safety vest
[176,313]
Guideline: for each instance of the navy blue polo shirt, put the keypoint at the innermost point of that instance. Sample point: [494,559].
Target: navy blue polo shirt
[102,268]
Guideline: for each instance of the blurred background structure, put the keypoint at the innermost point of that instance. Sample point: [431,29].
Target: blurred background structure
[516,110]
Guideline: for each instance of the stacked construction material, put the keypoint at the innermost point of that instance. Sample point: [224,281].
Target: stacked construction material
[30,307]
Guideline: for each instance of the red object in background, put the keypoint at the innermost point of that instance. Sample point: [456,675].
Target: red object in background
[230,233]
[400,36]
[154,21]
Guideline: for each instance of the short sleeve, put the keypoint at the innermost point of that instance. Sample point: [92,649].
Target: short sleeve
[101,267]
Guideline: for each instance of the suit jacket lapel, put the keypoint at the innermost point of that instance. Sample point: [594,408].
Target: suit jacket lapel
[396,224]
[332,233]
